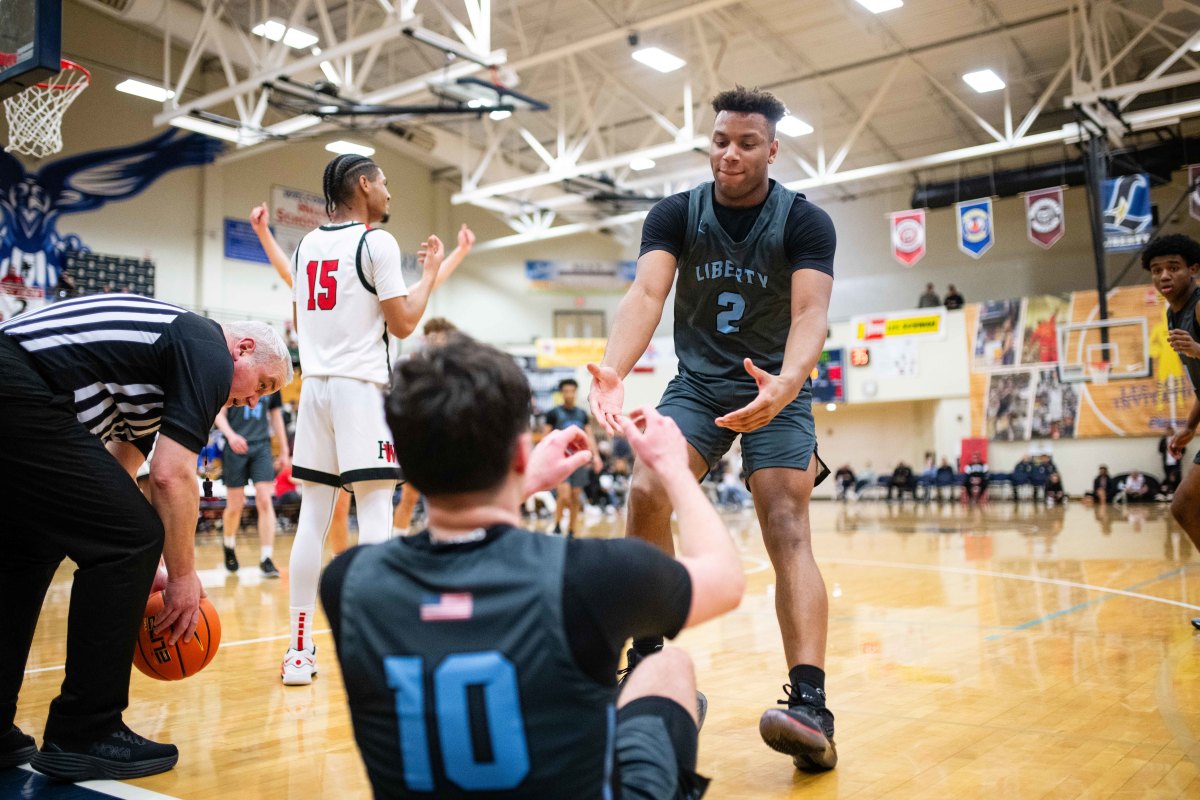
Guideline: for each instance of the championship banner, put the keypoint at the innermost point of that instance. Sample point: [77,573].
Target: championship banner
[1194,195]
[908,236]
[1045,222]
[1127,217]
[295,212]
[975,234]
[577,275]
[568,352]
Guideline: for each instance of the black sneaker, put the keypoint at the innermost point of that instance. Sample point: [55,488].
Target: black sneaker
[268,568]
[16,748]
[804,730]
[231,562]
[557,530]
[1196,623]
[120,755]
[633,658]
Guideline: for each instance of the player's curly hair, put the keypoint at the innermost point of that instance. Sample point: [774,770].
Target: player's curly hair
[1175,244]
[438,325]
[341,174]
[751,101]
[456,413]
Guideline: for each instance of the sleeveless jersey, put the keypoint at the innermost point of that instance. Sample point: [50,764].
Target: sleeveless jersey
[1186,320]
[341,273]
[466,686]
[733,300]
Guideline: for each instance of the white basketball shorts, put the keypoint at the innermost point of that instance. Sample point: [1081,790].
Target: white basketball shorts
[341,434]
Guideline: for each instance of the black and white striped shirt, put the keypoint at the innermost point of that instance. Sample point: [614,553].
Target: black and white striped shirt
[132,365]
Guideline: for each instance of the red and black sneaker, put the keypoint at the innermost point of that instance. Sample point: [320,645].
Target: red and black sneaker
[803,730]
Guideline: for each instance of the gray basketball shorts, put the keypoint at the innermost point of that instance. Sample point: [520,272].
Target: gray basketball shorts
[257,465]
[656,751]
[789,440]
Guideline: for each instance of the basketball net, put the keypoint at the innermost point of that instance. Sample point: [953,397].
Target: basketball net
[35,115]
[1098,370]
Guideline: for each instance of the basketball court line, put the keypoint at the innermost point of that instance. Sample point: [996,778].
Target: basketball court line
[36,786]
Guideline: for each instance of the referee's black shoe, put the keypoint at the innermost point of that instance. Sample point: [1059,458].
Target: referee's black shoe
[804,730]
[16,748]
[119,755]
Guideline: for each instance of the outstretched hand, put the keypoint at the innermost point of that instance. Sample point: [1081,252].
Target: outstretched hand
[258,218]
[656,441]
[555,457]
[606,397]
[466,237]
[430,255]
[773,394]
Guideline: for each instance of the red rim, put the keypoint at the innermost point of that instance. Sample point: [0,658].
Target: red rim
[62,87]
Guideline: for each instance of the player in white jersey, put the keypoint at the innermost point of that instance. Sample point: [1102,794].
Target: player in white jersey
[349,295]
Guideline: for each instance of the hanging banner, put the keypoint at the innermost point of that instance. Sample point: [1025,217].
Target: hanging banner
[1194,195]
[1127,217]
[1044,218]
[975,234]
[295,212]
[586,275]
[908,236]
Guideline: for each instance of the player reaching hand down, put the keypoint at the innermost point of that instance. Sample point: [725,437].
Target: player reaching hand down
[420,622]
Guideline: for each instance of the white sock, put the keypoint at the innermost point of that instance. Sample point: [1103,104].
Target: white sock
[302,627]
[230,541]
[397,532]
[266,551]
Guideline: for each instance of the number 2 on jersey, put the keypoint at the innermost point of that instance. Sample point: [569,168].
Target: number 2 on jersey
[735,306]
[327,299]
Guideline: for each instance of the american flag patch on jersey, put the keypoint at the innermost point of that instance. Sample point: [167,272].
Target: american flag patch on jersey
[446,607]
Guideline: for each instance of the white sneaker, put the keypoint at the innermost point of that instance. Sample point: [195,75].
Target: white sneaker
[299,667]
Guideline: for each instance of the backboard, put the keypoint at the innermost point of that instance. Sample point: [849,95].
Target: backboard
[30,43]
[1120,344]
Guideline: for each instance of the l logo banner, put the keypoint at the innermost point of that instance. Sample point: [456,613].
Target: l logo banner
[975,234]
[908,236]
[1044,218]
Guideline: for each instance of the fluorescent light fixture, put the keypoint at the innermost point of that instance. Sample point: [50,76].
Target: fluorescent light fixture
[342,146]
[984,81]
[833,406]
[658,59]
[146,90]
[879,6]
[793,126]
[500,115]
[327,68]
[296,38]
[640,164]
[216,130]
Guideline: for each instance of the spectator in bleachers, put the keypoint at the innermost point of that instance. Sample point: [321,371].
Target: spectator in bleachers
[1103,487]
[975,489]
[844,478]
[1042,467]
[930,298]
[1135,488]
[944,478]
[1055,494]
[1022,475]
[928,476]
[902,481]
[866,477]
[953,299]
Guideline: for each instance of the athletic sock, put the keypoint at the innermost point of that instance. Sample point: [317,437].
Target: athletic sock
[808,674]
[302,627]
[266,551]
[230,541]
[398,532]
[648,646]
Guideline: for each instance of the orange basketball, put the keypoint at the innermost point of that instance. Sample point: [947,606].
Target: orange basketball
[174,662]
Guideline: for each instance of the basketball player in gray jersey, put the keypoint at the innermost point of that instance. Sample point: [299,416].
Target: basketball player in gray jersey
[752,265]
[1173,262]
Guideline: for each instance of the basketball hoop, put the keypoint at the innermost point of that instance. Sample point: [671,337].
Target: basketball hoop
[35,115]
[1098,371]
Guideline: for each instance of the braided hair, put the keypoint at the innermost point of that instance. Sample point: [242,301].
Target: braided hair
[341,176]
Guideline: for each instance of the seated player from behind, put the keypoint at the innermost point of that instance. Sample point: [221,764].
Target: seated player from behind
[501,645]
[247,457]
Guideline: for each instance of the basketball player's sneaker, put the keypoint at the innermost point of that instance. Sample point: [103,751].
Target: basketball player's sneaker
[1196,623]
[231,562]
[633,658]
[268,568]
[119,755]
[16,748]
[299,666]
[804,730]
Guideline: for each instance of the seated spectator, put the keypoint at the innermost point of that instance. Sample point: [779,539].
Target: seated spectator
[952,299]
[732,493]
[1055,495]
[1172,466]
[929,298]
[975,489]
[944,478]
[844,481]
[1022,475]
[1042,467]
[902,481]
[1135,488]
[1103,487]
[866,477]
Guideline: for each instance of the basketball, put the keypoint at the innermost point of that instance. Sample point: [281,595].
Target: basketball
[166,662]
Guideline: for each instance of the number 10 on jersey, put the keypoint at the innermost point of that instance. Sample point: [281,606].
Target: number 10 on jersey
[327,297]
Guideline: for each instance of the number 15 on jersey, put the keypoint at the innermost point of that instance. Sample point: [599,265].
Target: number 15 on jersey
[322,272]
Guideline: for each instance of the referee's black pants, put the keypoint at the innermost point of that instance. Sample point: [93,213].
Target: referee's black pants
[64,496]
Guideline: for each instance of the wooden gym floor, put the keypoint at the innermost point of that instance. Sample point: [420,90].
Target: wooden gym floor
[1013,652]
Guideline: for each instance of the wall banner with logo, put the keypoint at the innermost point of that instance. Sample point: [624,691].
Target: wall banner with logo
[908,236]
[1044,219]
[975,231]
